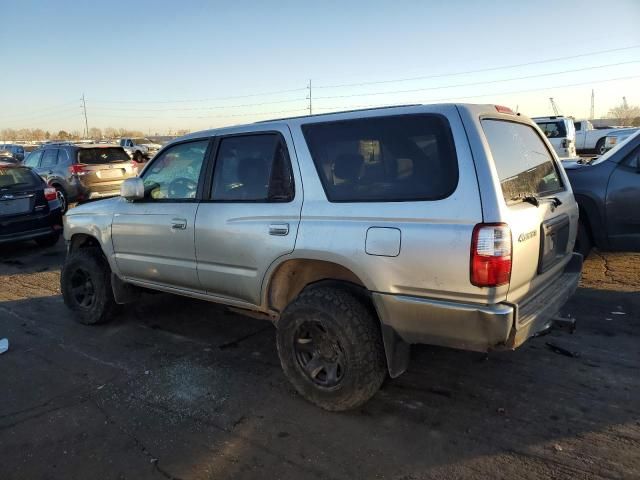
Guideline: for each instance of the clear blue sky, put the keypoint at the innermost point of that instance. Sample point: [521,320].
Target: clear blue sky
[159,65]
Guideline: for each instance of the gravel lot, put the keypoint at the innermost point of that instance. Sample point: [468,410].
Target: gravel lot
[178,388]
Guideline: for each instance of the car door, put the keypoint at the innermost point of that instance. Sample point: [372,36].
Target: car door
[48,163]
[623,199]
[153,238]
[252,214]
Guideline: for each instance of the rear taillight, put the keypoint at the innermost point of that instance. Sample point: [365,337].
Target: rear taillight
[50,194]
[491,255]
[503,109]
[77,169]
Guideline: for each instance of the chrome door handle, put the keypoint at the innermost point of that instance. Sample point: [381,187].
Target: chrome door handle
[279,229]
[178,224]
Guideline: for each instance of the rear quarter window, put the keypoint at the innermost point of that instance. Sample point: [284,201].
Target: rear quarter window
[524,165]
[384,159]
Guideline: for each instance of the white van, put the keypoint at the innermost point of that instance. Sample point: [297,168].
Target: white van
[561,134]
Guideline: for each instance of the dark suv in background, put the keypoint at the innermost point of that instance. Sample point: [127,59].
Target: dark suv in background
[82,172]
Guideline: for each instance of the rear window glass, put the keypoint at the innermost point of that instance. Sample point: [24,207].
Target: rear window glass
[524,165]
[386,159]
[94,156]
[20,177]
[553,129]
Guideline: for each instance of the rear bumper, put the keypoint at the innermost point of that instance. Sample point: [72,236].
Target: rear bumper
[473,326]
[32,226]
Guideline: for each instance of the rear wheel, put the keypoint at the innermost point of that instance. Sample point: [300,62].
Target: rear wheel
[62,198]
[138,157]
[600,147]
[331,349]
[86,286]
[48,241]
[583,240]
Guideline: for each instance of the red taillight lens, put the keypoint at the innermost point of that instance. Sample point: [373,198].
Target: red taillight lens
[50,194]
[77,169]
[491,255]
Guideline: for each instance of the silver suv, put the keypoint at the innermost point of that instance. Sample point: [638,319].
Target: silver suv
[357,234]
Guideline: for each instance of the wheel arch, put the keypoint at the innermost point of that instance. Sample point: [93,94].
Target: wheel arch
[592,219]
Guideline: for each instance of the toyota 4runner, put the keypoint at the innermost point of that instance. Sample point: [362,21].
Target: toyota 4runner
[357,234]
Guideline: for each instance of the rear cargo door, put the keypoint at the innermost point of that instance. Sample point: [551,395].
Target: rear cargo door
[21,200]
[538,205]
[105,165]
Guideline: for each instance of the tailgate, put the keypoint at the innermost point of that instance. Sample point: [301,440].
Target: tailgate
[107,172]
[538,206]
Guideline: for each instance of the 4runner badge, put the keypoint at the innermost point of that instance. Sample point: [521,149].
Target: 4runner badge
[526,236]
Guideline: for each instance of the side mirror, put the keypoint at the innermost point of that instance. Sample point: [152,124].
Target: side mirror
[132,189]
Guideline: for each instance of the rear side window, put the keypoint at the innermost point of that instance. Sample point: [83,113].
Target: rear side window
[94,156]
[33,159]
[49,158]
[384,159]
[524,165]
[553,129]
[253,168]
[18,178]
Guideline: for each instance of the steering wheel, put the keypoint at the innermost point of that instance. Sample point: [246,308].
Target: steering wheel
[182,187]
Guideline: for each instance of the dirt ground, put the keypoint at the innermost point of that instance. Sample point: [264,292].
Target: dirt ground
[182,389]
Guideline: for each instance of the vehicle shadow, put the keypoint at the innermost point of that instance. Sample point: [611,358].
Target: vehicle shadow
[202,389]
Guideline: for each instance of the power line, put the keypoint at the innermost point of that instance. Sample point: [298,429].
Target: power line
[450,99]
[264,94]
[491,69]
[212,107]
[208,116]
[484,82]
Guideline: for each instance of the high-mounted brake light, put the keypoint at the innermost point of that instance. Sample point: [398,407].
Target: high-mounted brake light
[491,255]
[503,109]
[50,194]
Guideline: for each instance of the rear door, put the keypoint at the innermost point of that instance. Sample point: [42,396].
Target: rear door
[105,165]
[537,204]
[252,215]
[153,238]
[48,163]
[23,206]
[623,199]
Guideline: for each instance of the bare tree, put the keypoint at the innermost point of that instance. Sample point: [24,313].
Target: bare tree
[626,114]
[95,133]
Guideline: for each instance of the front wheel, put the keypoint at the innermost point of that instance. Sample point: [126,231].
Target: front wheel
[330,349]
[85,281]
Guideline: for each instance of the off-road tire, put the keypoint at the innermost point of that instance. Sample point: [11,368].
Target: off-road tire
[358,332]
[48,241]
[95,267]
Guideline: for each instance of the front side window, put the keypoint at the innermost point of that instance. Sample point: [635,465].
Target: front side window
[252,168]
[33,159]
[524,165]
[394,158]
[49,158]
[174,175]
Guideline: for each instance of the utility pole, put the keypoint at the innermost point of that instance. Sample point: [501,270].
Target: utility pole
[86,122]
[309,98]
[624,103]
[554,106]
[591,112]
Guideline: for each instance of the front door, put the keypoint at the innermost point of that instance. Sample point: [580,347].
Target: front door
[251,216]
[623,204]
[153,238]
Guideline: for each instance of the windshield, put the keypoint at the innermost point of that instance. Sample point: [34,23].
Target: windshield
[17,178]
[93,156]
[613,151]
[524,165]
